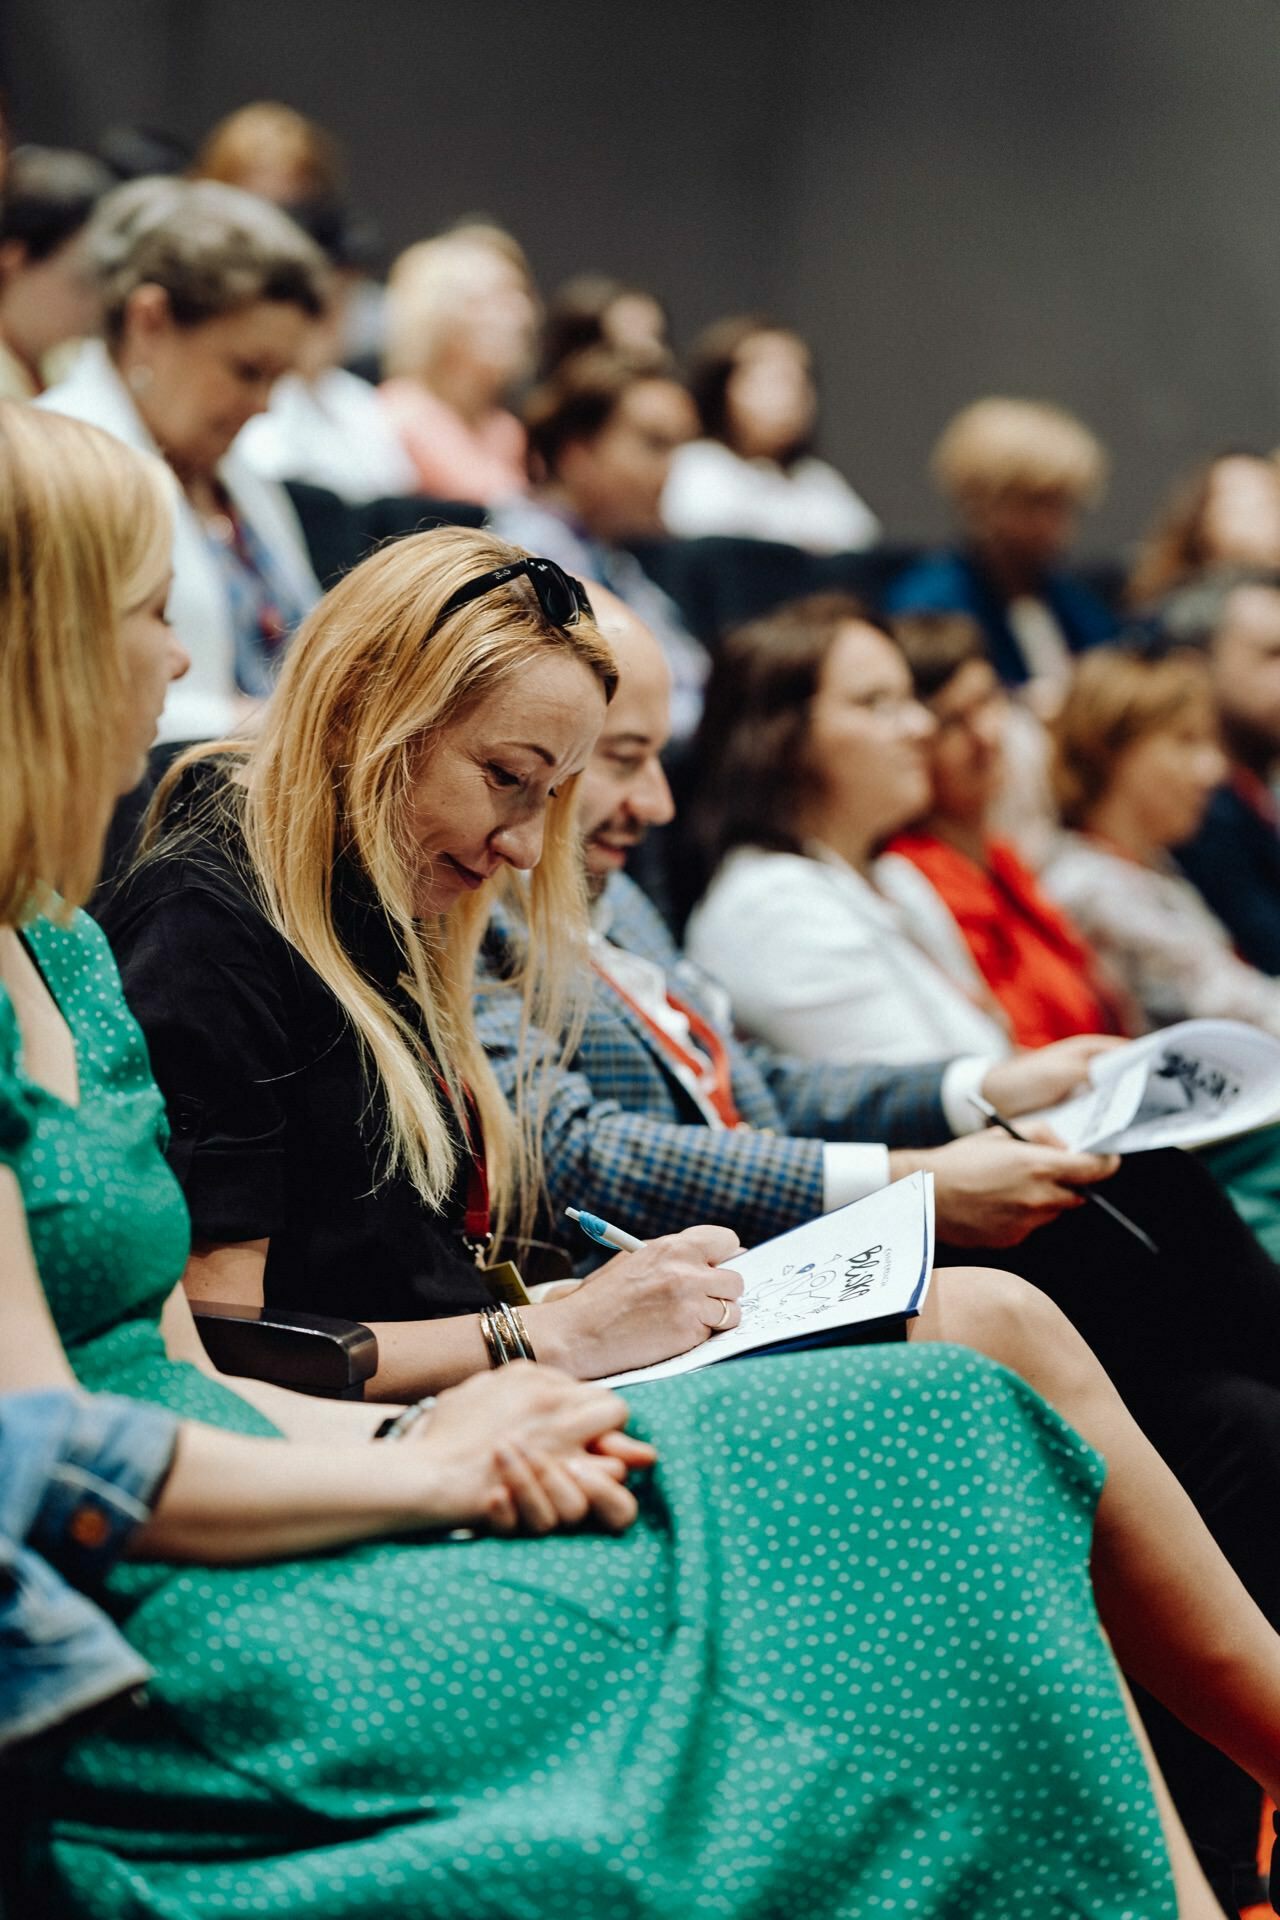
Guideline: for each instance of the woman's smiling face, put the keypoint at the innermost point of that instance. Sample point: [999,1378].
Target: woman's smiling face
[480,794]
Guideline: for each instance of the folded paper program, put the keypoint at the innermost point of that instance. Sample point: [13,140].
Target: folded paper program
[1185,1086]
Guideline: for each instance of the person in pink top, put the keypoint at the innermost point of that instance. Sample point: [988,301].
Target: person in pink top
[462,321]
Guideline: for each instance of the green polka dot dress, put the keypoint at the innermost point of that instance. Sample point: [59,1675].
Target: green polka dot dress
[847,1664]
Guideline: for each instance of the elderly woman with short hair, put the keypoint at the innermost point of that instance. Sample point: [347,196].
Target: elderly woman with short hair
[207,292]
[1017,474]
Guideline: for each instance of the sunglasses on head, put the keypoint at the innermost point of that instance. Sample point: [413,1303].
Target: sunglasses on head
[562,598]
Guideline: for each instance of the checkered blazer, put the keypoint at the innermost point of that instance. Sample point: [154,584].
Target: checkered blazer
[623,1137]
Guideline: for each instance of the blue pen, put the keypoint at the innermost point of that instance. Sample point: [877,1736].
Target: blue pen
[604,1232]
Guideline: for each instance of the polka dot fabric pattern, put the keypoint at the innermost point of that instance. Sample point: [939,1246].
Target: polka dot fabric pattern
[847,1663]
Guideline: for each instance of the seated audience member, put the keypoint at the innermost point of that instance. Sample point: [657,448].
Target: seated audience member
[602,432]
[812,754]
[48,293]
[1234,857]
[1137,760]
[326,425]
[1226,515]
[643,1124]
[272,150]
[1017,473]
[208,292]
[461,329]
[323,1813]
[595,310]
[753,472]
[990,913]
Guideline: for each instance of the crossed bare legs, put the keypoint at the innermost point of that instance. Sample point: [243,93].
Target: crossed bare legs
[1177,1616]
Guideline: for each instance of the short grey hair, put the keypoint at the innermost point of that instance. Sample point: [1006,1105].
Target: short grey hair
[213,248]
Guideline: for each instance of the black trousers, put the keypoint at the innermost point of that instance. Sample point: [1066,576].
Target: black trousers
[1191,1338]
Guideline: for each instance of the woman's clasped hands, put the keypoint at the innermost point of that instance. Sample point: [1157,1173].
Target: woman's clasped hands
[525,1449]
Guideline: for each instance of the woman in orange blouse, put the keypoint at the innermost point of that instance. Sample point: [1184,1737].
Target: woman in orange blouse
[1043,972]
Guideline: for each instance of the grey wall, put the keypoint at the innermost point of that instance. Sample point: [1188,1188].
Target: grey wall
[949,196]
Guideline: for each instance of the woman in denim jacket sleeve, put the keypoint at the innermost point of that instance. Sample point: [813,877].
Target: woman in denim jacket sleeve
[77,1476]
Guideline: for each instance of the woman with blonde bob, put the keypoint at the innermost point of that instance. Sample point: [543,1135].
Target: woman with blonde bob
[462,320]
[1017,474]
[532,1725]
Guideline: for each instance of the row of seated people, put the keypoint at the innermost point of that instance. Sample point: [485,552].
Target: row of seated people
[271,860]
[223,319]
[845,1649]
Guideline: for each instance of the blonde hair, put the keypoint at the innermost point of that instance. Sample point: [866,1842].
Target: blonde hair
[425,287]
[86,527]
[268,134]
[996,445]
[369,685]
[1117,696]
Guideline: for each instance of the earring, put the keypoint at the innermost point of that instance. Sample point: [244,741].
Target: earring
[140,379]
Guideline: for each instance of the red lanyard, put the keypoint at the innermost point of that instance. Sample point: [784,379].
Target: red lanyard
[477,1228]
[718,1091]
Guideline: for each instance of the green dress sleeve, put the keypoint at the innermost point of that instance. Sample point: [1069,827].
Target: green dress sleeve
[16,1110]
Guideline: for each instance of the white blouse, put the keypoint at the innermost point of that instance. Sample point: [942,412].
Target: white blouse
[821,964]
[1158,935]
[712,489]
[205,703]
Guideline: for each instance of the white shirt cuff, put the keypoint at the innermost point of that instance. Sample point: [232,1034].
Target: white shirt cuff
[961,1080]
[850,1171]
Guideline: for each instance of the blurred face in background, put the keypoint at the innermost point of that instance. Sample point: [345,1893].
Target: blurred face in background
[1026,528]
[635,323]
[966,751]
[495,316]
[770,401]
[866,745]
[614,481]
[1165,779]
[1244,664]
[44,302]
[195,386]
[1240,522]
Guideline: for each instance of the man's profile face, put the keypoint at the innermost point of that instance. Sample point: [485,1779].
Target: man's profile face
[616,479]
[1245,665]
[623,791]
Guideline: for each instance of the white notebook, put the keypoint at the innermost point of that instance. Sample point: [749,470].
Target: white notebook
[868,1261]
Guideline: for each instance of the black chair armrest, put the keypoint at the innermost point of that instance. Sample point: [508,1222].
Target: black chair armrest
[309,1352]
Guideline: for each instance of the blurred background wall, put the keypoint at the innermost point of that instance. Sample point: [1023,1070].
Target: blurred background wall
[947,196]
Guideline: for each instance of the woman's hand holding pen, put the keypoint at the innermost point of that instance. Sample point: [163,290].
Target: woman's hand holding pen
[668,1296]
[524,1448]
